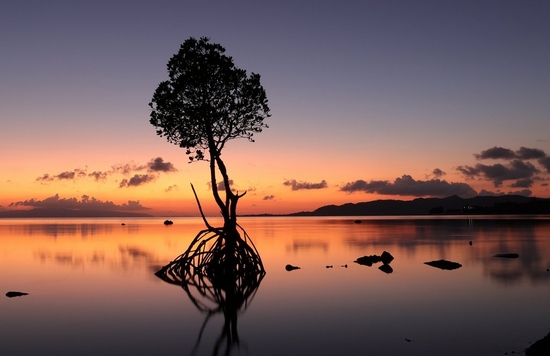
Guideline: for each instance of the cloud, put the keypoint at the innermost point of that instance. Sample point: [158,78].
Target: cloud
[269,197]
[496,153]
[137,180]
[85,203]
[127,168]
[438,173]
[523,153]
[158,165]
[67,175]
[497,173]
[545,162]
[97,175]
[523,183]
[530,153]
[407,186]
[305,185]
[154,167]
[220,185]
[172,187]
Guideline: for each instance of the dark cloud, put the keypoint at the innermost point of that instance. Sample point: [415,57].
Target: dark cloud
[97,175]
[67,175]
[530,153]
[496,153]
[154,167]
[127,168]
[407,186]
[137,180]
[497,173]
[545,162]
[45,178]
[438,173]
[85,203]
[158,165]
[523,183]
[269,197]
[305,185]
[523,153]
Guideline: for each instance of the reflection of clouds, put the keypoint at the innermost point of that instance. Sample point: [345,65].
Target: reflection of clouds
[128,257]
[303,245]
[132,256]
[62,258]
[55,230]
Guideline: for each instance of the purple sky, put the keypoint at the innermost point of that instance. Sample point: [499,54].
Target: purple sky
[359,91]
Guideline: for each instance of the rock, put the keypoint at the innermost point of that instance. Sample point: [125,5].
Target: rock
[123,224]
[168,222]
[291,267]
[12,294]
[507,255]
[358,221]
[386,268]
[385,258]
[330,266]
[470,243]
[540,347]
[444,264]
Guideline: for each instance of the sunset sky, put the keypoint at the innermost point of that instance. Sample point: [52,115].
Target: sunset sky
[369,100]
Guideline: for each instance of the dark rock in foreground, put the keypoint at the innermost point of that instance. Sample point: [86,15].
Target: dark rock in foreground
[507,255]
[385,258]
[540,347]
[291,267]
[168,222]
[444,264]
[12,294]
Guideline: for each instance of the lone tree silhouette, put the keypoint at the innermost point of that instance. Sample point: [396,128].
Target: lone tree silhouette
[206,102]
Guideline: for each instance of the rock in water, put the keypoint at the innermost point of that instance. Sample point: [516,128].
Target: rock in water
[444,264]
[507,255]
[386,257]
[291,267]
[12,294]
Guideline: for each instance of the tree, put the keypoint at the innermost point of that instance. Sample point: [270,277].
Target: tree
[206,102]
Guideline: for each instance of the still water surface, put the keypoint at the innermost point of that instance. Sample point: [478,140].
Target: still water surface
[92,288]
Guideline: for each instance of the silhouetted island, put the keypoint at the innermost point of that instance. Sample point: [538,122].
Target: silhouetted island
[453,205]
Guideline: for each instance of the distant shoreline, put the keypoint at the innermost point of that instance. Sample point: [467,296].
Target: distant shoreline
[449,206]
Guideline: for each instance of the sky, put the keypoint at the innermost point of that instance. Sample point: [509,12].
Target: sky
[369,100]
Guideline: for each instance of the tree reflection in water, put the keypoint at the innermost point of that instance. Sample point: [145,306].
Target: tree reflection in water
[219,275]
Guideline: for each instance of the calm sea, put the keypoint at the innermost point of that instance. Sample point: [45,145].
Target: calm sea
[92,288]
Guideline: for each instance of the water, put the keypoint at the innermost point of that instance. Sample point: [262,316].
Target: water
[92,288]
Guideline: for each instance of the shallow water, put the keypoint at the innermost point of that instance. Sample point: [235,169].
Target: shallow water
[92,288]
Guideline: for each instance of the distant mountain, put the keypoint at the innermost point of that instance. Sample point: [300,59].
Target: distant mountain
[68,213]
[502,204]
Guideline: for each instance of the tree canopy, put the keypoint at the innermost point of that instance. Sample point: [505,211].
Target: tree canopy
[207,100]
